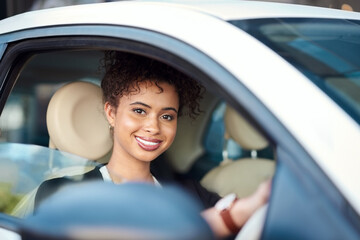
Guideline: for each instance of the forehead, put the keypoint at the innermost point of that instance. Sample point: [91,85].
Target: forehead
[152,93]
[151,87]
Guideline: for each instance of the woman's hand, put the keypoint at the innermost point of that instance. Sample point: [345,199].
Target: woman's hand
[240,212]
[245,207]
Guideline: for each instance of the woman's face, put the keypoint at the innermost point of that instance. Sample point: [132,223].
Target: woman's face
[144,122]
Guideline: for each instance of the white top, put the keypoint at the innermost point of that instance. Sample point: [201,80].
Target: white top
[106,176]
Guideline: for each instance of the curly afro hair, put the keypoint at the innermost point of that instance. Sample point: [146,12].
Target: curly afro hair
[125,71]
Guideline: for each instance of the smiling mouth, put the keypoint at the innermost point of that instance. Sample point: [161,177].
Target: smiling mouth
[148,145]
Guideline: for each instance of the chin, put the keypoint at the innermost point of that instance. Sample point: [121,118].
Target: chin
[147,157]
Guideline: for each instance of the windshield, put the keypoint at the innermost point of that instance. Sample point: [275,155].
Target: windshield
[327,51]
[24,167]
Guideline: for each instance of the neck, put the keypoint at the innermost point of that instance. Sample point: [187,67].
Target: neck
[122,169]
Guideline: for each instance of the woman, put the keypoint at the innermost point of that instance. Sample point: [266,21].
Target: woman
[143,99]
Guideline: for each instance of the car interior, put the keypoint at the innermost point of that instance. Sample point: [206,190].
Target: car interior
[57,103]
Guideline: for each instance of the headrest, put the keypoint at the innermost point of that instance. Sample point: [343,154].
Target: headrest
[238,129]
[76,122]
[242,176]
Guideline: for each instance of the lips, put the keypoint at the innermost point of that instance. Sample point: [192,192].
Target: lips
[148,144]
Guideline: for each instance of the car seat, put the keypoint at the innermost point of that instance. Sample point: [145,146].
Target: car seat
[77,125]
[76,122]
[188,146]
[241,176]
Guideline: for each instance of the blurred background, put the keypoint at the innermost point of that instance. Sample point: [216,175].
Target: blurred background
[12,7]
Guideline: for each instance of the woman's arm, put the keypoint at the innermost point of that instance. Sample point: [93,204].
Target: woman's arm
[240,212]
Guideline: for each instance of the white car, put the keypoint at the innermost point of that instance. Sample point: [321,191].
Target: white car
[293,72]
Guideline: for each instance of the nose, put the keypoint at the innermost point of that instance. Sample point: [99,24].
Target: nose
[152,125]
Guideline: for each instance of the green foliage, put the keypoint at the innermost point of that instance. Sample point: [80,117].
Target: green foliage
[8,200]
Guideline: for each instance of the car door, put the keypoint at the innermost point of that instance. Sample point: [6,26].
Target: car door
[302,195]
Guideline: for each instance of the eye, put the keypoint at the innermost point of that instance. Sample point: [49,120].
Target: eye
[139,111]
[167,117]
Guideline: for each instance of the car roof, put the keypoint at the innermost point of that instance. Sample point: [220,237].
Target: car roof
[116,12]
[235,9]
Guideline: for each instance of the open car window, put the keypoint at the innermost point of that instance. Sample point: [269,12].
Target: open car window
[23,125]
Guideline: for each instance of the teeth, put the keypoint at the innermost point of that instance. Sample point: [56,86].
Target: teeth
[147,142]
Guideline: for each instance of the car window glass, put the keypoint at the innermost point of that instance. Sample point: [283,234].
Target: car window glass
[325,50]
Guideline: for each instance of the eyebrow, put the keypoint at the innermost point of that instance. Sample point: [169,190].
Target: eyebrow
[145,105]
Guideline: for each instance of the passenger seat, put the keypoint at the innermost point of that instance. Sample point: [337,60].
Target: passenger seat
[241,176]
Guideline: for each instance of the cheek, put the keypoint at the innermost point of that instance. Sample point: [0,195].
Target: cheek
[126,123]
[170,132]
